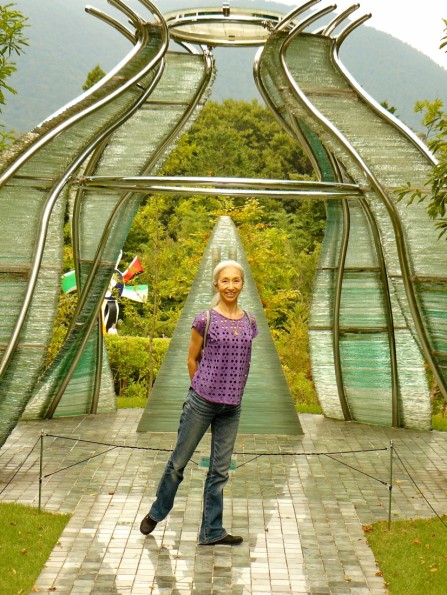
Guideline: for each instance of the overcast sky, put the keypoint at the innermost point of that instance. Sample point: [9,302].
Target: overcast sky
[417,22]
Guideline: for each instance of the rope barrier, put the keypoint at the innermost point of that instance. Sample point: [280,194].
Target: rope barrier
[418,489]
[108,444]
[255,455]
[385,483]
[247,453]
[79,462]
[20,466]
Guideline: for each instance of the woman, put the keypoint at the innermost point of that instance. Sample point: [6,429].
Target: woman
[218,363]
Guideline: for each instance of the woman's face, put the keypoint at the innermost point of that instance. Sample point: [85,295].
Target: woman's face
[229,284]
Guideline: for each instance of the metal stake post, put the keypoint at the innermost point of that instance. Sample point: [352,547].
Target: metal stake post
[41,469]
[390,486]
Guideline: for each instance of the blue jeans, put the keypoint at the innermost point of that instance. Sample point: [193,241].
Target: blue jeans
[197,416]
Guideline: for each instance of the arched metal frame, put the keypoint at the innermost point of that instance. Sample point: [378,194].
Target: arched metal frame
[346,219]
[209,27]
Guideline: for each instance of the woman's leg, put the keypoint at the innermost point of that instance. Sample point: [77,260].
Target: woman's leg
[224,431]
[195,419]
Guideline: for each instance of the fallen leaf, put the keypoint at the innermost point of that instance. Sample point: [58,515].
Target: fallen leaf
[367,528]
[348,579]
[24,551]
[416,542]
[379,573]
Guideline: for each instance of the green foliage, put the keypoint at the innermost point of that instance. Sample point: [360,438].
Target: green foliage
[411,556]
[435,188]
[439,422]
[391,108]
[137,402]
[129,361]
[240,139]
[444,38]
[434,191]
[281,238]
[237,139]
[95,75]
[27,538]
[292,346]
[12,41]
[65,311]
[170,233]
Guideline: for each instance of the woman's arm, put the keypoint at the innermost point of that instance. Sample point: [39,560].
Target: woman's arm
[195,347]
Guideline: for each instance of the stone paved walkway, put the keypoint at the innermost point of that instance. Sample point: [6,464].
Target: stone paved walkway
[301,516]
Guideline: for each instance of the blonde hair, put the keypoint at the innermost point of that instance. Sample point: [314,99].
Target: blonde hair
[223,264]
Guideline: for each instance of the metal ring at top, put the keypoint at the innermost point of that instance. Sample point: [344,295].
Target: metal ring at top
[221,26]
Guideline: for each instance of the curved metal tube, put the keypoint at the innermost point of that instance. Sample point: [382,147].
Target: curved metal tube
[385,114]
[338,20]
[400,241]
[98,369]
[386,296]
[75,232]
[305,145]
[188,46]
[92,165]
[51,200]
[95,12]
[384,279]
[397,226]
[300,194]
[292,130]
[136,20]
[105,235]
[350,28]
[395,393]
[293,14]
[314,17]
[48,137]
[147,183]
[107,229]
[336,313]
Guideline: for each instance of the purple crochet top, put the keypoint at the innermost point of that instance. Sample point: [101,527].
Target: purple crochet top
[223,369]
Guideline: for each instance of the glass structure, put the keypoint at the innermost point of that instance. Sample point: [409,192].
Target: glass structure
[378,315]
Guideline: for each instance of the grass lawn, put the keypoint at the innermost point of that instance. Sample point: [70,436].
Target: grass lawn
[412,556]
[439,422]
[27,538]
[131,402]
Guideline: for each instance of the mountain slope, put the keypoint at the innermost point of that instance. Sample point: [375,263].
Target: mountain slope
[66,43]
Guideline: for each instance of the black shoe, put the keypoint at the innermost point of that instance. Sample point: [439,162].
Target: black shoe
[147,525]
[227,540]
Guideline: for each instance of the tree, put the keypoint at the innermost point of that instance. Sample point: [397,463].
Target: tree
[391,108]
[95,75]
[281,238]
[435,188]
[12,41]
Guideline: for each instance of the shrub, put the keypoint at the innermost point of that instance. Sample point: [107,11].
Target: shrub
[129,361]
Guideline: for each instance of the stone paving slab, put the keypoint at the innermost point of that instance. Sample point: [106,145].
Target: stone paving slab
[301,516]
